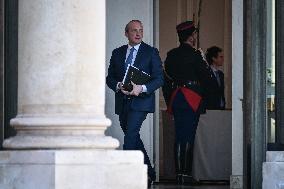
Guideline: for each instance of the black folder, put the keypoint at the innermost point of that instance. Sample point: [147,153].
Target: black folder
[136,76]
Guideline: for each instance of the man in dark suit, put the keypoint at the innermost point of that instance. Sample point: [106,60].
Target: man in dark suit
[215,98]
[133,107]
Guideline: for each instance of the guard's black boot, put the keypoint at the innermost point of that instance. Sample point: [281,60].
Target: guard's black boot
[179,179]
[187,165]
[178,163]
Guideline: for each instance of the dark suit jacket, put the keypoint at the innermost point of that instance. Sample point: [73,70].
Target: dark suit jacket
[215,93]
[147,60]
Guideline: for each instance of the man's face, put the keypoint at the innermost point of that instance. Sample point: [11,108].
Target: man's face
[134,33]
[219,60]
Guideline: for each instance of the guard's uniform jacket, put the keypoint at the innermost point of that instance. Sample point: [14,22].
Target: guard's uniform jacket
[188,73]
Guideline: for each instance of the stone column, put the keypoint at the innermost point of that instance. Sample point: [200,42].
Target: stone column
[61,91]
[273,170]
[61,99]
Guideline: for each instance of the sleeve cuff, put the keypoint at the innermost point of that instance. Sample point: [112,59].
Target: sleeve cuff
[117,86]
[144,89]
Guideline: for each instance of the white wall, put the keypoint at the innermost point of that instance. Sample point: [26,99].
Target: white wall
[119,13]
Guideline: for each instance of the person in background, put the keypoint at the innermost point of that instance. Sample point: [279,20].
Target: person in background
[133,106]
[188,73]
[215,98]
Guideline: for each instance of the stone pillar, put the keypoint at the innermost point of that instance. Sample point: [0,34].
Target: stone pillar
[61,99]
[273,170]
[61,91]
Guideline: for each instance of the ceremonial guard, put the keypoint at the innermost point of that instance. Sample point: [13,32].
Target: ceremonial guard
[186,74]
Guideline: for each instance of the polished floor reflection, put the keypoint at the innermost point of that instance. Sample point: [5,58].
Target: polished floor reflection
[174,186]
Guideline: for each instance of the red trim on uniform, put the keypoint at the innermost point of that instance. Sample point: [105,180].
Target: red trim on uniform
[193,99]
[170,110]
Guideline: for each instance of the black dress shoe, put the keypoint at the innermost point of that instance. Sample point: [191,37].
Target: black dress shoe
[150,182]
[151,177]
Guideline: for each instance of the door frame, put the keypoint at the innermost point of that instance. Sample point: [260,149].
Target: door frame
[1,72]
[156,117]
[255,25]
[237,110]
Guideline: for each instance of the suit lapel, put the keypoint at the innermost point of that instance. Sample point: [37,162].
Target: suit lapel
[221,74]
[139,55]
[214,76]
[122,58]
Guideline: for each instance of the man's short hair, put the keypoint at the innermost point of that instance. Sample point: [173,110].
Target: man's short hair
[212,52]
[127,25]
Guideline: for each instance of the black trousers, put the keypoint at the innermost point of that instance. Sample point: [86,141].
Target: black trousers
[185,119]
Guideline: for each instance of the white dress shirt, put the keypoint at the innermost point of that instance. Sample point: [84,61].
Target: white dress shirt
[136,48]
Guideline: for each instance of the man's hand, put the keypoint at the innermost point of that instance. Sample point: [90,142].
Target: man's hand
[122,89]
[120,85]
[125,92]
[137,89]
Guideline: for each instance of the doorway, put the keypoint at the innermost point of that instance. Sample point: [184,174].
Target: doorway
[215,27]
[8,66]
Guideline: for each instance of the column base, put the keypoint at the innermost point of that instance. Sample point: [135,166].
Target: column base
[86,169]
[60,132]
[64,142]
[273,170]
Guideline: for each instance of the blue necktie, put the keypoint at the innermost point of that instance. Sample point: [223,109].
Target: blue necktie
[129,58]
[219,83]
[218,77]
